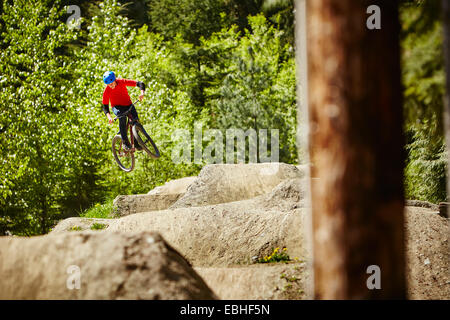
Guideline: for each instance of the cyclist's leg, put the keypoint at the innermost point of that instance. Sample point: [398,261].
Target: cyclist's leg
[135,117]
[133,112]
[122,127]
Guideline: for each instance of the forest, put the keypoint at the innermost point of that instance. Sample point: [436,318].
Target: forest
[221,64]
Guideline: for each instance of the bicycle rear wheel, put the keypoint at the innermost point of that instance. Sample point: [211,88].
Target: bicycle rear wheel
[125,159]
[145,141]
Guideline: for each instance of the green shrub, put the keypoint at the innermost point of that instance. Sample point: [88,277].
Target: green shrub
[101,211]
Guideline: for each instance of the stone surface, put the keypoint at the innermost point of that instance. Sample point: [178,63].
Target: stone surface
[159,198]
[76,224]
[221,183]
[124,205]
[224,234]
[228,233]
[177,186]
[109,265]
[275,281]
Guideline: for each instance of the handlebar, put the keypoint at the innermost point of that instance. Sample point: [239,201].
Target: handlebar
[126,112]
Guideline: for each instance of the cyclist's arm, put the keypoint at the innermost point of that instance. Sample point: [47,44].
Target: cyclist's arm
[105,107]
[134,83]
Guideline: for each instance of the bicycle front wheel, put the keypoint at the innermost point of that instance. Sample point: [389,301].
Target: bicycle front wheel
[125,159]
[145,141]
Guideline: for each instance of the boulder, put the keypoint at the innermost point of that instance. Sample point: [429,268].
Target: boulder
[177,186]
[80,224]
[275,281]
[221,183]
[96,265]
[159,198]
[223,234]
[289,194]
[124,205]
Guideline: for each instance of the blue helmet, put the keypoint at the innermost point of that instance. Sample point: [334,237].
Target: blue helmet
[109,77]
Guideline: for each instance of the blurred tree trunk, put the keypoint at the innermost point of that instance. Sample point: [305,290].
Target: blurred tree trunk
[356,149]
[446,29]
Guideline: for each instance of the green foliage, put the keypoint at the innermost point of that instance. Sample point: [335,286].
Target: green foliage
[190,19]
[423,69]
[426,168]
[101,211]
[258,86]
[35,143]
[423,79]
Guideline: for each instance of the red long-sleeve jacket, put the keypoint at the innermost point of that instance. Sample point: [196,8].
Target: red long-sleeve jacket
[119,95]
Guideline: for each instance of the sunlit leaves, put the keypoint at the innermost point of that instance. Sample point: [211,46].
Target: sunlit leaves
[423,80]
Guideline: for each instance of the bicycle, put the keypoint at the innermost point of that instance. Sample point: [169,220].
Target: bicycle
[125,158]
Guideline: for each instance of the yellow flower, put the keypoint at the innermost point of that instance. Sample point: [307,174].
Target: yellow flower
[284,249]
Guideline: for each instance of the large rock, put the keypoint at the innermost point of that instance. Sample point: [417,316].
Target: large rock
[223,234]
[289,194]
[75,224]
[124,205]
[258,282]
[177,186]
[159,198]
[109,266]
[221,183]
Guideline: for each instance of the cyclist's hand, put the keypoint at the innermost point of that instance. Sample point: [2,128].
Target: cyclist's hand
[110,119]
[141,97]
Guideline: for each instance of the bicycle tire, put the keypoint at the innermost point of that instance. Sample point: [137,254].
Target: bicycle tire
[117,151]
[138,128]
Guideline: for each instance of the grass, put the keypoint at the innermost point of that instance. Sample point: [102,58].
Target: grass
[98,226]
[101,211]
[75,228]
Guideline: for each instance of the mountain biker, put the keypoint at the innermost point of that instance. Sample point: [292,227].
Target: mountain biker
[116,92]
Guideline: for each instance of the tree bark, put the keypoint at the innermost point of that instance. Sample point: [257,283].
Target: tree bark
[446,45]
[356,149]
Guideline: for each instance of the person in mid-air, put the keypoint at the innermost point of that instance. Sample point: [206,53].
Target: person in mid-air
[116,92]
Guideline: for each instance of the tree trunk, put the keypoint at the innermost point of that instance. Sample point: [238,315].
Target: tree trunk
[356,148]
[446,29]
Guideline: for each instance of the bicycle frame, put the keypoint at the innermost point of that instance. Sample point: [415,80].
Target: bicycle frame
[129,126]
